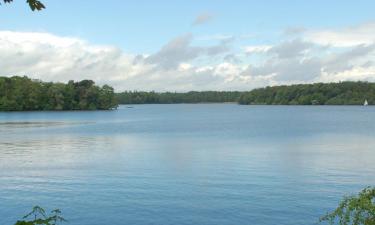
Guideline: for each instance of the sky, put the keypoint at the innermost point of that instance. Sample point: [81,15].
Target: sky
[189,45]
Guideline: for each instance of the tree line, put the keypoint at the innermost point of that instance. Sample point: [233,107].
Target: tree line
[24,94]
[343,93]
[140,97]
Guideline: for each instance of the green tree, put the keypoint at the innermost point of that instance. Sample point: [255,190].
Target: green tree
[107,98]
[34,4]
[38,216]
[344,93]
[354,210]
[24,94]
[129,97]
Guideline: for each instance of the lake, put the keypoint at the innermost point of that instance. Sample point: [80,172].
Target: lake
[206,164]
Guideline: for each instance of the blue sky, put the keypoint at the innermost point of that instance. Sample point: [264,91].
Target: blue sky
[146,25]
[144,28]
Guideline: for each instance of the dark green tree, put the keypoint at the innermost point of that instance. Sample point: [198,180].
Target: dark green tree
[34,4]
[38,216]
[24,94]
[140,97]
[354,210]
[343,93]
[107,98]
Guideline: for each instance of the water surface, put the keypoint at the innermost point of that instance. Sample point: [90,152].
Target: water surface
[207,164]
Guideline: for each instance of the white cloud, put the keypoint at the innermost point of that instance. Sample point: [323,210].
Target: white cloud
[291,31]
[346,37]
[257,49]
[52,58]
[49,57]
[181,65]
[184,66]
[220,37]
[353,74]
[291,49]
[203,18]
[180,50]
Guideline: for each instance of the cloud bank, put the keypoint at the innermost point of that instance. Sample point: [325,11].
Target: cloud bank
[183,65]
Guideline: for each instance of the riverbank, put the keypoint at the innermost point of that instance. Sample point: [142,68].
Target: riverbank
[343,93]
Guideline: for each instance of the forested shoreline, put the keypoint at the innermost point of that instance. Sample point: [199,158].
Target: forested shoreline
[343,93]
[141,97]
[24,94]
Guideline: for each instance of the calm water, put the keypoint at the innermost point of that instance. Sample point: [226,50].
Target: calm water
[216,164]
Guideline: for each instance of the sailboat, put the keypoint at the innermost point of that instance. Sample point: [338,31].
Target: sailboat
[365,103]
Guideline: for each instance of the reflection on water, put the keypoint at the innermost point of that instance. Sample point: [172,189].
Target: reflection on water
[186,164]
[25,124]
[31,124]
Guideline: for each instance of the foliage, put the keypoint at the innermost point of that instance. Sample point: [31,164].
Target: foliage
[170,98]
[354,210]
[24,94]
[34,4]
[39,217]
[343,93]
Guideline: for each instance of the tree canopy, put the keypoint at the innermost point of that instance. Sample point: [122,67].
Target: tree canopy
[354,210]
[24,94]
[343,93]
[135,97]
[34,4]
[38,216]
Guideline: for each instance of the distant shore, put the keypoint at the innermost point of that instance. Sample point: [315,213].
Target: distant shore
[343,93]
[25,94]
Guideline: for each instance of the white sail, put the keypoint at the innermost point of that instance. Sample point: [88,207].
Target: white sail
[366,103]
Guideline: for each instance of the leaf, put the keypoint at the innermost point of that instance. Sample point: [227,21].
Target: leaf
[35,5]
[40,217]
[354,210]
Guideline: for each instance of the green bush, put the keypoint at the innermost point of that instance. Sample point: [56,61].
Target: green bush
[354,210]
[38,216]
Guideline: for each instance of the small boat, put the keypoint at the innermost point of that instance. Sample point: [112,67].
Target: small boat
[365,103]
